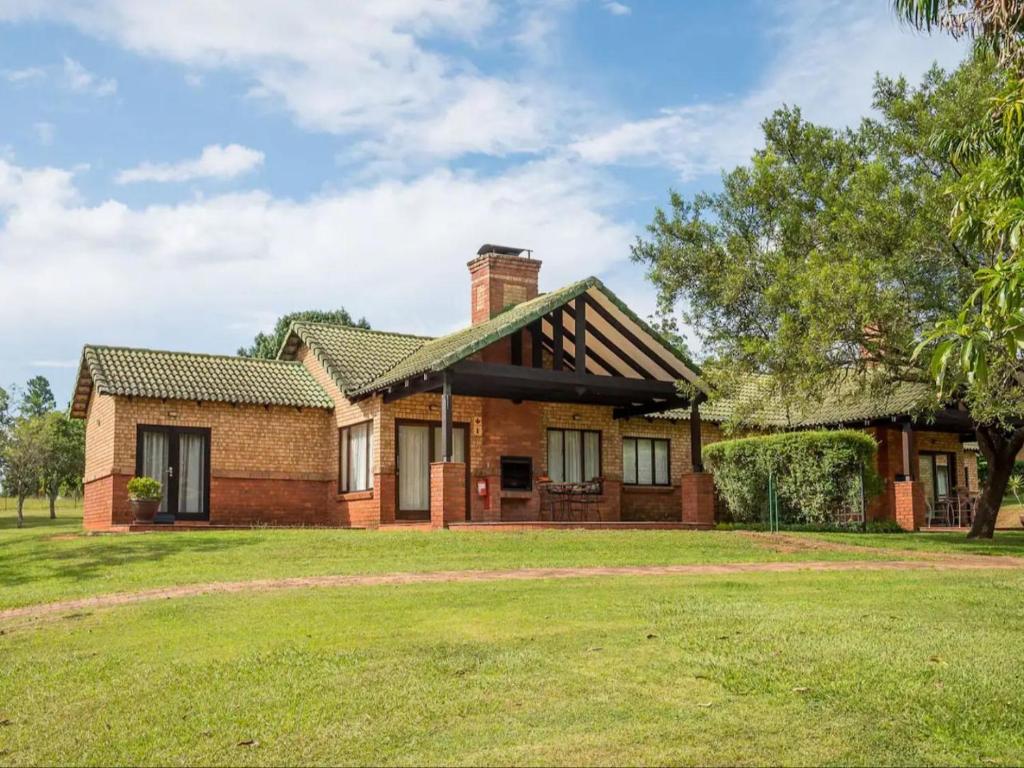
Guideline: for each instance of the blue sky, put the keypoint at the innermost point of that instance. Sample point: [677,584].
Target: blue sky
[175,175]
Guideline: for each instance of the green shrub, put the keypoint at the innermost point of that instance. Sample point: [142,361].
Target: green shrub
[817,475]
[144,489]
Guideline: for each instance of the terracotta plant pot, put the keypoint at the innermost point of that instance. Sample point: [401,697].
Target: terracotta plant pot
[144,510]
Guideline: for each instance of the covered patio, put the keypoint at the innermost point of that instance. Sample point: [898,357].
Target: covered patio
[546,393]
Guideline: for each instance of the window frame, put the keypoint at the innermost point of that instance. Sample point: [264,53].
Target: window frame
[344,482]
[583,452]
[654,470]
[951,464]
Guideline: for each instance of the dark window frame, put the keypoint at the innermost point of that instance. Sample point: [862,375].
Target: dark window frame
[172,433]
[654,471]
[343,480]
[583,451]
[952,476]
[418,514]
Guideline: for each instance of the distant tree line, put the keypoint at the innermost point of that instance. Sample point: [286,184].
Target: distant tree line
[42,449]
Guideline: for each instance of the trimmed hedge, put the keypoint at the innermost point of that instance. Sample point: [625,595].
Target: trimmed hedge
[817,475]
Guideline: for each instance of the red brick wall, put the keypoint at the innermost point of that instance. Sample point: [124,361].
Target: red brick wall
[909,505]
[654,504]
[500,281]
[242,501]
[447,493]
[698,499]
[105,503]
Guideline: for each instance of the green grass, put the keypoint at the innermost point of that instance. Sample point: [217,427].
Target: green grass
[830,668]
[52,560]
[901,668]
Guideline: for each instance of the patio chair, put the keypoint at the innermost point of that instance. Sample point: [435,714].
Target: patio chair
[941,512]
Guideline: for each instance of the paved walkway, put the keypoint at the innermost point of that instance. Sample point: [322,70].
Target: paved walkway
[934,562]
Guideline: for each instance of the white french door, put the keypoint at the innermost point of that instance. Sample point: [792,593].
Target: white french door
[418,445]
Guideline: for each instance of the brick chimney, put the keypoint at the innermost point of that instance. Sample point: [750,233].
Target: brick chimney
[501,277]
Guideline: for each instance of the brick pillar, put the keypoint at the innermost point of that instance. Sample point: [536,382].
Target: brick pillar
[910,504]
[384,488]
[447,493]
[698,498]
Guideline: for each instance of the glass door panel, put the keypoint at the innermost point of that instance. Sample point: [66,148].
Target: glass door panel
[191,473]
[927,477]
[155,447]
[458,444]
[413,468]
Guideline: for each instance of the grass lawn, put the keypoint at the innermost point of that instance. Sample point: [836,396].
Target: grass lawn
[867,669]
[911,667]
[52,560]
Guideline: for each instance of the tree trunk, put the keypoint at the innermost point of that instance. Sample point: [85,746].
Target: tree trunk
[53,505]
[1000,450]
[21,511]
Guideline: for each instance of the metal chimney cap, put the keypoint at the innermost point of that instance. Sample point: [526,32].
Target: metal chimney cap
[503,250]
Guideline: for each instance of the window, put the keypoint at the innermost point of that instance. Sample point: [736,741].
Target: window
[574,455]
[355,447]
[645,461]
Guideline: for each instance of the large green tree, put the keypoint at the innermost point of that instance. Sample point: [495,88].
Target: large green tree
[266,345]
[24,457]
[828,258]
[64,461]
[37,399]
[977,355]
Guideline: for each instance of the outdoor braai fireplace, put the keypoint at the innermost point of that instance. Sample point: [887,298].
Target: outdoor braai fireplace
[516,473]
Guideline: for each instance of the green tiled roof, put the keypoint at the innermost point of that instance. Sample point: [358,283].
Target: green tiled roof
[352,356]
[189,376]
[362,361]
[439,353]
[753,404]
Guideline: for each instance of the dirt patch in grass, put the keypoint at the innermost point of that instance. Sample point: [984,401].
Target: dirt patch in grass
[931,561]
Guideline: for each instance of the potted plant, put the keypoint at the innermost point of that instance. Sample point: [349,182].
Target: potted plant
[144,496]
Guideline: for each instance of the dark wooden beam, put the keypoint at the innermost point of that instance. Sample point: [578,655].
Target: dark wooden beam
[646,409]
[594,356]
[558,339]
[516,345]
[632,338]
[696,447]
[446,417]
[427,382]
[907,436]
[620,354]
[536,381]
[581,334]
[536,345]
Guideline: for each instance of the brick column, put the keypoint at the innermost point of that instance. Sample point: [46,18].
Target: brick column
[384,488]
[698,499]
[447,493]
[910,504]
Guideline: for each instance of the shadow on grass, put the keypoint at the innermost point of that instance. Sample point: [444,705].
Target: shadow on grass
[72,556]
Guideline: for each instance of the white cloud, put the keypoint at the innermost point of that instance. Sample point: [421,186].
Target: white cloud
[23,76]
[81,80]
[375,68]
[215,162]
[186,275]
[827,56]
[45,132]
[617,9]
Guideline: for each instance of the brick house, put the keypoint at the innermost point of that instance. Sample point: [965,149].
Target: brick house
[359,428]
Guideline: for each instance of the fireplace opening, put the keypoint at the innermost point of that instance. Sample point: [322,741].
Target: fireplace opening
[516,473]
